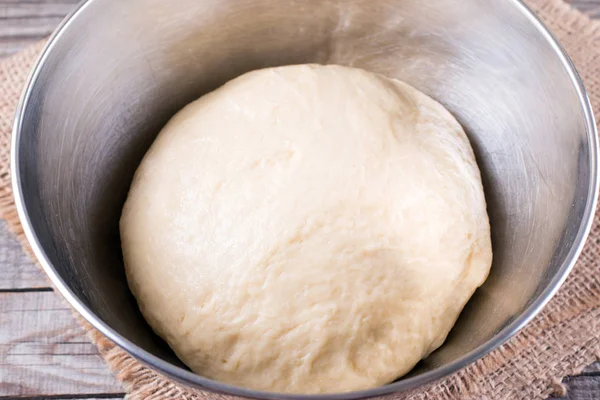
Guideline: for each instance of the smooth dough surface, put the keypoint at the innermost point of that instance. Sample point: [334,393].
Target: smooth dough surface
[306,229]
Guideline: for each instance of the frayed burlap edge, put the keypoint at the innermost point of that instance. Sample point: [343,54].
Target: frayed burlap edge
[561,341]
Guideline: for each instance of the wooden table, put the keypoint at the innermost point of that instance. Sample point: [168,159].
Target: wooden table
[44,354]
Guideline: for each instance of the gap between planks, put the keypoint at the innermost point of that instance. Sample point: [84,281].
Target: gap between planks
[44,353]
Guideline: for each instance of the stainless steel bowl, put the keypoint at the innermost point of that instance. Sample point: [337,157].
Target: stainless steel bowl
[116,71]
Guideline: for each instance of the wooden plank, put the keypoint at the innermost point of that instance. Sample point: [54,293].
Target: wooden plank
[593,369]
[23,23]
[97,396]
[34,11]
[589,7]
[10,46]
[582,387]
[17,270]
[35,28]
[100,396]
[92,396]
[43,352]
[40,2]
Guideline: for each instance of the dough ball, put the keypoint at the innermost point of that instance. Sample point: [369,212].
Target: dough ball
[306,229]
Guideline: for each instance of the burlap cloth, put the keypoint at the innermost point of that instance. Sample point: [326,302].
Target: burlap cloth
[562,340]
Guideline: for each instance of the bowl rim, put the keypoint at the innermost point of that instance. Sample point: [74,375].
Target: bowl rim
[193,380]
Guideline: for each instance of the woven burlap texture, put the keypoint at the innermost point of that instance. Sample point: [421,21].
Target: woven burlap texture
[562,340]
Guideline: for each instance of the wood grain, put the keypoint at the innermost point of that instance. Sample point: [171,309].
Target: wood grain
[589,7]
[44,354]
[17,270]
[582,387]
[25,22]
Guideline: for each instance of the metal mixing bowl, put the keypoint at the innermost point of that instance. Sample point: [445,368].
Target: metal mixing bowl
[115,72]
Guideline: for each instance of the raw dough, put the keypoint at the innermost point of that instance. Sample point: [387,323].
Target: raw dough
[306,229]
